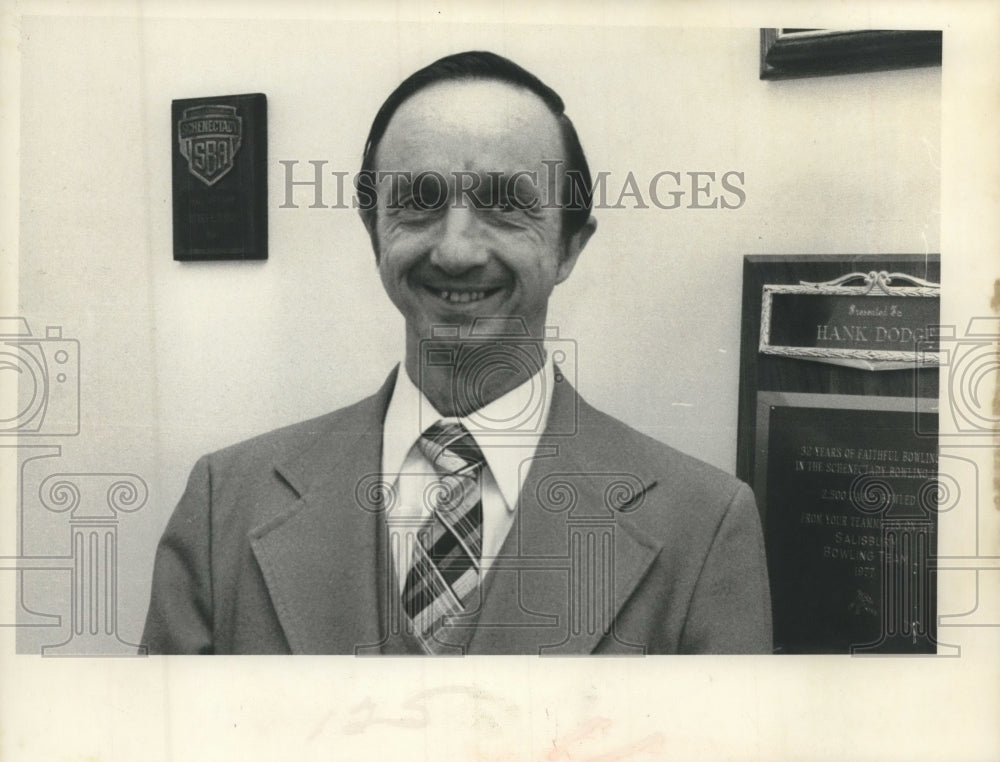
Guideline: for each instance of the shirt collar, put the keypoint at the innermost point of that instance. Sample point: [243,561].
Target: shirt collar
[507,430]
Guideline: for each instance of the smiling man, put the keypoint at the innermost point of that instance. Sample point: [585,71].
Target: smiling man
[474,504]
[462,229]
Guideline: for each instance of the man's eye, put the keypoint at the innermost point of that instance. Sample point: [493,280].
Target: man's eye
[421,204]
[505,205]
[427,195]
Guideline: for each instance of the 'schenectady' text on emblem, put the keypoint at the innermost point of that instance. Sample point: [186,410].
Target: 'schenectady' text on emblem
[209,138]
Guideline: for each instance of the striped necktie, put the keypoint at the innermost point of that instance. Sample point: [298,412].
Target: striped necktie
[444,573]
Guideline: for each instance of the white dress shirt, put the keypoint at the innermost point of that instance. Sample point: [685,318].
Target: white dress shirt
[507,431]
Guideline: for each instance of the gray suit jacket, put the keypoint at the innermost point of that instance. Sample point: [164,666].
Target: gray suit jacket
[621,545]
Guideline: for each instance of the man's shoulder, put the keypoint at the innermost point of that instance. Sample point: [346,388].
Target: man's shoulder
[283,440]
[618,442]
[286,442]
[684,502]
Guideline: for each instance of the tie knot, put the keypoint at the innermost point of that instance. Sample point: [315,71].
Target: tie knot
[450,447]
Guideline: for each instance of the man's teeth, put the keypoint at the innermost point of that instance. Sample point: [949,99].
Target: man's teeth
[459,297]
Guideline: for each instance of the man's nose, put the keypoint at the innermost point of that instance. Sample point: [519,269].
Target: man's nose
[459,246]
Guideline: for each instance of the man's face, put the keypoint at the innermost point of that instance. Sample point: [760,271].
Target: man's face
[488,241]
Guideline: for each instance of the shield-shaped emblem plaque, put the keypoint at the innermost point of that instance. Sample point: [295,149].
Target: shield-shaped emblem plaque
[209,137]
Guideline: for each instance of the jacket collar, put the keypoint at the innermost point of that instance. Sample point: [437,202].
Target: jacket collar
[577,486]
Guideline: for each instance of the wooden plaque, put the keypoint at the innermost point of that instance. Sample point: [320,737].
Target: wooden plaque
[838,438]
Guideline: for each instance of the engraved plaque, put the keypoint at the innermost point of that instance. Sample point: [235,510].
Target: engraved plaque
[220,177]
[851,524]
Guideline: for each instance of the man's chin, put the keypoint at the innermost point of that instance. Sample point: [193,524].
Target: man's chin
[475,327]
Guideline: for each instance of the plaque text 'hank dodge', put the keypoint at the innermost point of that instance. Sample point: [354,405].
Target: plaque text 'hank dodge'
[874,326]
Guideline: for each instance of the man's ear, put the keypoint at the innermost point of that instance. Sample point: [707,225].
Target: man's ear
[368,219]
[573,247]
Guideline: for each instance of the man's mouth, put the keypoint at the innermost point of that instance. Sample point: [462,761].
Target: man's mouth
[462,296]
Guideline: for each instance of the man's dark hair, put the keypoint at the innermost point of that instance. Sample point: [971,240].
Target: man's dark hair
[472,65]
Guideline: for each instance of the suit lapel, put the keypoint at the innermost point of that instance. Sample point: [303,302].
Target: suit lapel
[573,557]
[319,554]
[569,563]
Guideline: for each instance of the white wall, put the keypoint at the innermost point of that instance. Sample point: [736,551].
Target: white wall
[179,359]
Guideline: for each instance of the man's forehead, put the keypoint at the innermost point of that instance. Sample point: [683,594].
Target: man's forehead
[479,117]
